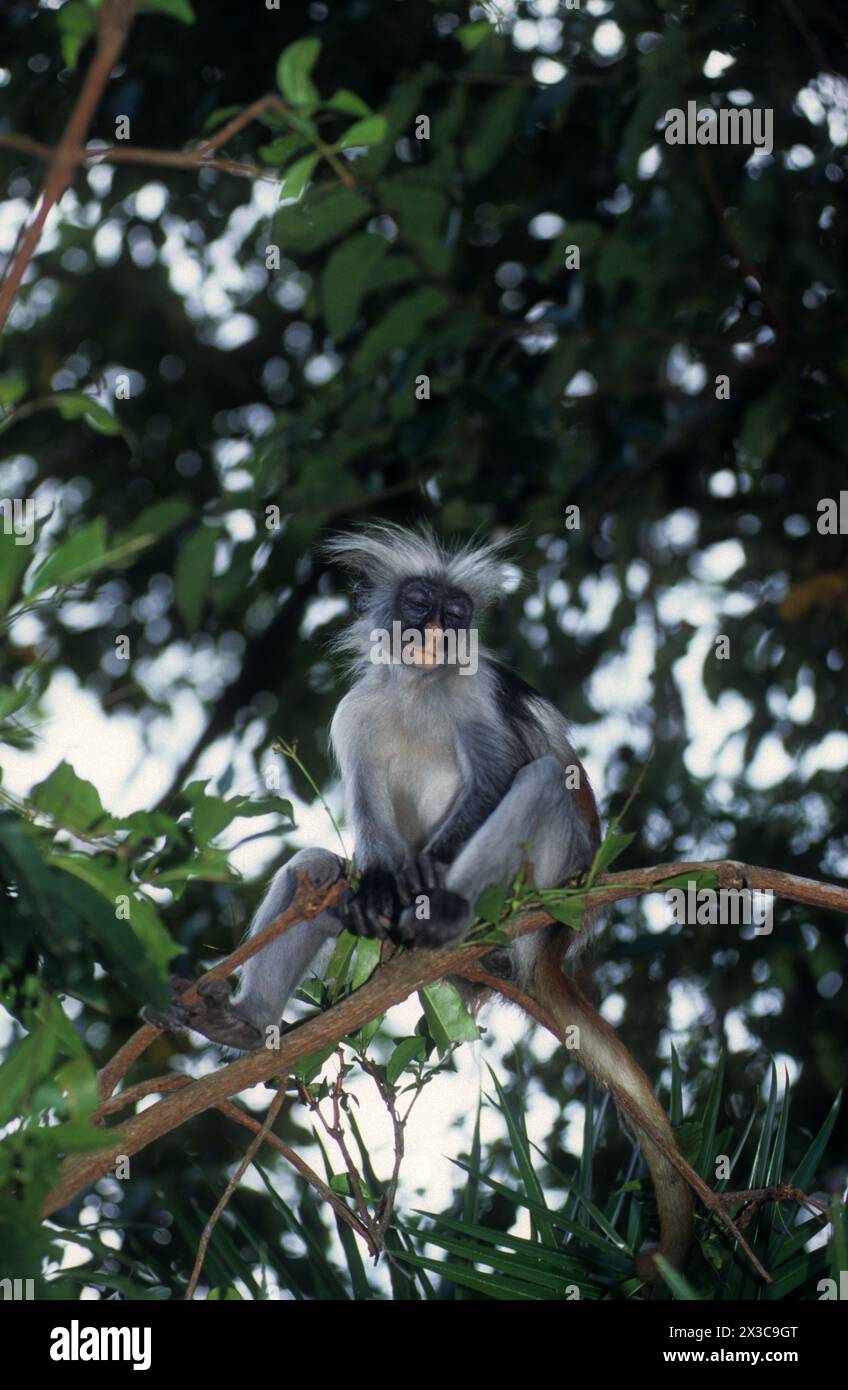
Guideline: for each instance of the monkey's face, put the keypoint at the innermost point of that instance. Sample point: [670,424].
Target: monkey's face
[429,609]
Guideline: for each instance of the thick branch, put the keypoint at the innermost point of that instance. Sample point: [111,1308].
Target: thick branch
[391,984]
[388,986]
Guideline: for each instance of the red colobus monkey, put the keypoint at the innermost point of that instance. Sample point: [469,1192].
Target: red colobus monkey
[455,774]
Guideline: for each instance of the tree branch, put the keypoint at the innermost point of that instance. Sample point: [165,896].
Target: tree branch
[389,985]
[113,26]
[253,1147]
[174,1082]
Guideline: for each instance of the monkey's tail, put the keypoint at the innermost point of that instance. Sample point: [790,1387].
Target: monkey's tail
[601,1052]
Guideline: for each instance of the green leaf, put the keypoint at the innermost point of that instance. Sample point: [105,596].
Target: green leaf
[491,904]
[297,177]
[151,524]
[110,883]
[284,148]
[703,878]
[193,574]
[346,279]
[447,1017]
[219,117]
[76,22]
[30,1062]
[808,1167]
[75,405]
[766,422]
[14,560]
[349,103]
[401,326]
[78,1138]
[680,1287]
[472,35]
[68,799]
[78,1079]
[421,213]
[494,129]
[212,814]
[332,211]
[516,1126]
[12,386]
[361,1040]
[73,559]
[339,964]
[371,131]
[367,960]
[11,700]
[308,1067]
[68,1042]
[490,1285]
[85,551]
[569,911]
[396,270]
[150,825]
[613,845]
[400,111]
[293,68]
[408,1050]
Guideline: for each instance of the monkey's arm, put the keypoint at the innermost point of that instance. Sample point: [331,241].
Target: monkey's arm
[379,850]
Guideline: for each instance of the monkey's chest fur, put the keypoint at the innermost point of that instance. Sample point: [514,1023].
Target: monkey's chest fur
[420,766]
[423,780]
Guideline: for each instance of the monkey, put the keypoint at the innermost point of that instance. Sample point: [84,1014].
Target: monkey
[457,775]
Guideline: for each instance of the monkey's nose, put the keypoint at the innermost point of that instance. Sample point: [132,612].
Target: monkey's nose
[433,635]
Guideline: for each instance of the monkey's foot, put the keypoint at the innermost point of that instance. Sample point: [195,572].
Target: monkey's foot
[439,918]
[421,875]
[210,1014]
[372,909]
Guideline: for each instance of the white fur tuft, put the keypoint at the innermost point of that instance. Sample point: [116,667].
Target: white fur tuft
[384,554]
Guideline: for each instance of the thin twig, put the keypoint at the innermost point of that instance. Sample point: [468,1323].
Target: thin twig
[757,1197]
[334,1130]
[113,26]
[252,1148]
[173,1082]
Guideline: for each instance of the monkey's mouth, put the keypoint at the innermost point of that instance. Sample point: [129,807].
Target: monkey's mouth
[430,652]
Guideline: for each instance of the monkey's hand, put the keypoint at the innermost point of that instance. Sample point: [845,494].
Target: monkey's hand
[373,909]
[210,1014]
[432,915]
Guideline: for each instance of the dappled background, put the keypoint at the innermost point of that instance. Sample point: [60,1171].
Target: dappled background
[249,356]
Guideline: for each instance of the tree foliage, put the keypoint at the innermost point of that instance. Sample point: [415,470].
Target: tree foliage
[366,302]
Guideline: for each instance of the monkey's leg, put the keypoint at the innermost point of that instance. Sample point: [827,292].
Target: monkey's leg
[539,819]
[270,977]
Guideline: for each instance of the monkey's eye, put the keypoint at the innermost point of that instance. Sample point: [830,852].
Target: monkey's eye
[416,602]
[458,614]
